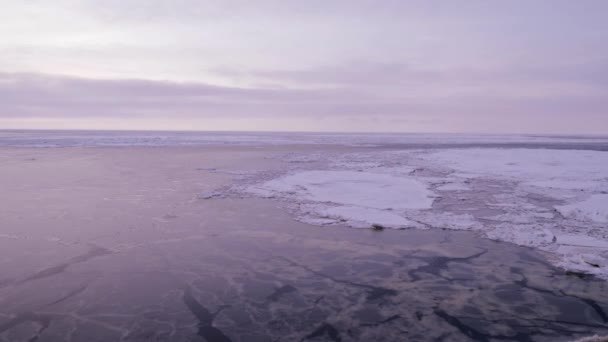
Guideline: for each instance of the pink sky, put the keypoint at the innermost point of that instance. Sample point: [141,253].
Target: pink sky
[400,66]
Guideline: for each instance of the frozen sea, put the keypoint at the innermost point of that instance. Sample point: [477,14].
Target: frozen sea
[229,236]
[58,138]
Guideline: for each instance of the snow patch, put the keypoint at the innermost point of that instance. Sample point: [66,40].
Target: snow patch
[357,199]
[594,208]
[579,240]
[527,164]
[361,189]
[552,200]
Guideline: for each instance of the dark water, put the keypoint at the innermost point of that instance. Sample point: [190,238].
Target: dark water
[257,275]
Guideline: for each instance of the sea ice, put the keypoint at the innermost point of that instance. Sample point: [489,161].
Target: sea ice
[594,208]
[553,200]
[361,189]
[453,186]
[361,217]
[555,168]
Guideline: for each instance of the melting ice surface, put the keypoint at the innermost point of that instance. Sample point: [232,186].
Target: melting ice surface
[555,200]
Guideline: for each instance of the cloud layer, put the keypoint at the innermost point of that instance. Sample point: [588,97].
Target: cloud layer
[358,65]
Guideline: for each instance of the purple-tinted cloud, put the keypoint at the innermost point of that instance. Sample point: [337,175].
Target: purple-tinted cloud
[447,64]
[52,95]
[37,95]
[594,73]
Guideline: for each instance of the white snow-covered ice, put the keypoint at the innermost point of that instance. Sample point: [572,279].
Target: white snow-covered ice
[358,198]
[360,189]
[553,200]
[541,167]
[594,208]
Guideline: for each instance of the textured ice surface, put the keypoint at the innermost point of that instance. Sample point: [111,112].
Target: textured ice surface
[157,138]
[557,167]
[453,187]
[362,217]
[361,189]
[173,266]
[549,199]
[594,208]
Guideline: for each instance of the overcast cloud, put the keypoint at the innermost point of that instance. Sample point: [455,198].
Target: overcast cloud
[454,66]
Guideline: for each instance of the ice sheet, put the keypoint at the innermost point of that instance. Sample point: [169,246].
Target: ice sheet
[49,138]
[539,198]
[542,167]
[361,189]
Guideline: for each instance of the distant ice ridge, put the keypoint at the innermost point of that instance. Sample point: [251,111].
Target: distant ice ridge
[554,200]
[27,138]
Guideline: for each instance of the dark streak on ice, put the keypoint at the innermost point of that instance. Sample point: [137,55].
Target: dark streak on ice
[532,326]
[70,294]
[536,326]
[465,329]
[205,319]
[598,309]
[43,320]
[373,292]
[589,302]
[436,264]
[278,293]
[384,321]
[96,251]
[477,335]
[325,329]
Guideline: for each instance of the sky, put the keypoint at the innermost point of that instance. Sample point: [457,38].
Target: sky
[485,66]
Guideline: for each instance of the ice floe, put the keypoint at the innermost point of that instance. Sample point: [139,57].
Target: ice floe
[553,200]
[360,189]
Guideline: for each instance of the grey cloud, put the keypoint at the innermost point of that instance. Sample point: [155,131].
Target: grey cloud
[52,95]
[594,73]
[37,95]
